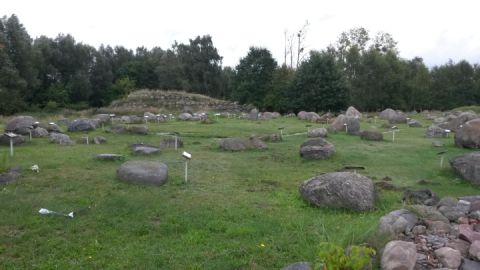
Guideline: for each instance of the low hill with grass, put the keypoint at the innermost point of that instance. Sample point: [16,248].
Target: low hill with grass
[171,101]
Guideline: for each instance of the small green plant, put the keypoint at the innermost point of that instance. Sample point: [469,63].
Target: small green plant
[333,257]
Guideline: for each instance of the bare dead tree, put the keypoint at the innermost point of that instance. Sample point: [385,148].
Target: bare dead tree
[301,37]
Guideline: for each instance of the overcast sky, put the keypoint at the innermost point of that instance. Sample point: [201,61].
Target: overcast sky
[434,30]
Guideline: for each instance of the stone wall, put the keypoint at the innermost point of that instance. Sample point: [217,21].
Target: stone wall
[174,101]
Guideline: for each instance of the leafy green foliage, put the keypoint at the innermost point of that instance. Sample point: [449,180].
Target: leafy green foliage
[318,85]
[333,257]
[254,77]
[122,87]
[36,72]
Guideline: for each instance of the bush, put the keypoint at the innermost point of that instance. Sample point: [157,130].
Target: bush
[333,257]
[51,106]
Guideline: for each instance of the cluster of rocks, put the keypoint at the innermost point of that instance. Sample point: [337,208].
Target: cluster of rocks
[453,120]
[26,126]
[256,115]
[348,124]
[467,166]
[174,101]
[465,125]
[199,116]
[445,235]
[314,117]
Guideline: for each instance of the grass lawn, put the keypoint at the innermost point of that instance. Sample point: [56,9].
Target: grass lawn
[239,210]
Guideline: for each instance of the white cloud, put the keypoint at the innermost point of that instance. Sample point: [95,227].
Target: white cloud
[434,30]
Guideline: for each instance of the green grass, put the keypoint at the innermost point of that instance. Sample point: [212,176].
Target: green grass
[473,108]
[238,210]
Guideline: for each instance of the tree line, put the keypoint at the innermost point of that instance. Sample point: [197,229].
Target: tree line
[367,72]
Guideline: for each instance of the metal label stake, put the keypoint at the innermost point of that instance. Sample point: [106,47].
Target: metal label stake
[187,157]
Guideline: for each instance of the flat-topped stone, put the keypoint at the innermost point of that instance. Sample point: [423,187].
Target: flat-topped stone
[109,157]
[143,172]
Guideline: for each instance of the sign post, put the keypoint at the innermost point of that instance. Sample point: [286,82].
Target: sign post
[11,135]
[187,157]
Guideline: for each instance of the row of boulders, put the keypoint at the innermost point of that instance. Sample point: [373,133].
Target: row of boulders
[256,115]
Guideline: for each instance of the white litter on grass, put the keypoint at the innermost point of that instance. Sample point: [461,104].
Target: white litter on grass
[35,168]
[44,211]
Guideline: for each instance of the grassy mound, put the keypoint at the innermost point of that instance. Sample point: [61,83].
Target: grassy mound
[168,101]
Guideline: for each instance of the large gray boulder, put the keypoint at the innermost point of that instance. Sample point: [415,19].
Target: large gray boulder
[132,119]
[469,265]
[353,113]
[309,116]
[414,123]
[338,124]
[138,130]
[20,125]
[435,132]
[340,190]
[396,222]
[102,118]
[393,116]
[317,149]
[60,138]
[253,115]
[353,125]
[453,209]
[52,127]
[399,255]
[185,116]
[371,135]
[454,122]
[143,172]
[5,140]
[317,132]
[468,166]
[449,257]
[240,144]
[82,125]
[266,116]
[39,132]
[468,134]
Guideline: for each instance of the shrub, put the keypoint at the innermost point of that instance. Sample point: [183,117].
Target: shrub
[333,257]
